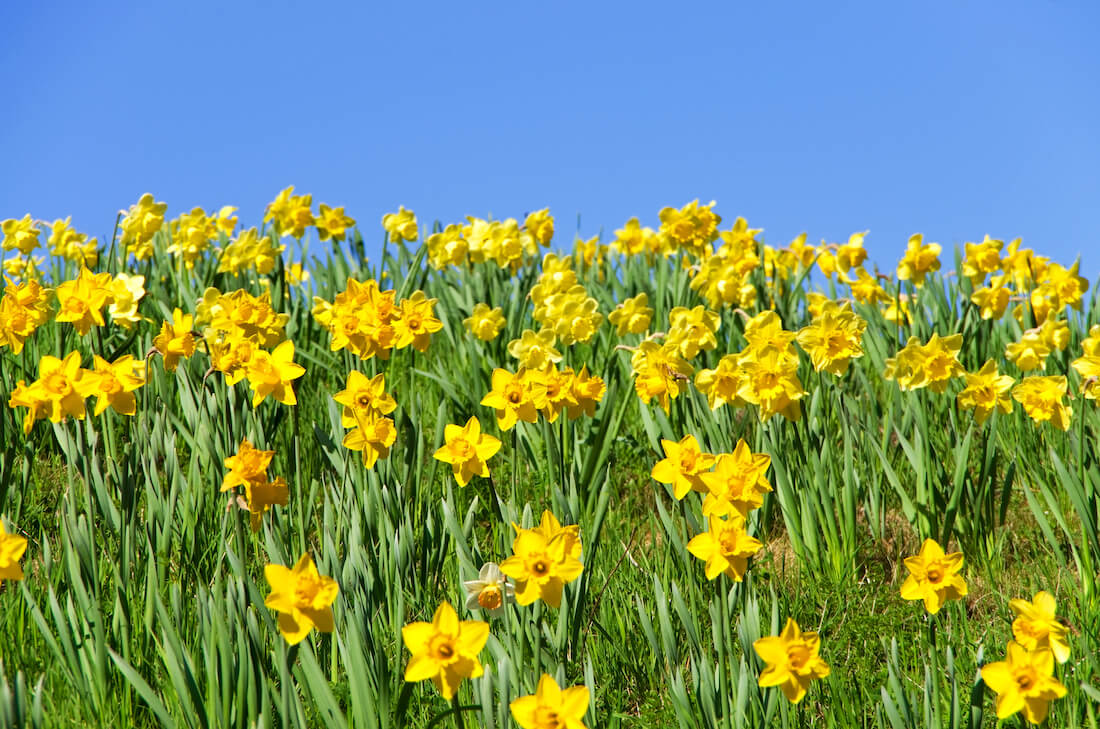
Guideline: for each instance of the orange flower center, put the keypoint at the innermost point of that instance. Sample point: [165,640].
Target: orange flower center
[58,384]
[798,655]
[490,597]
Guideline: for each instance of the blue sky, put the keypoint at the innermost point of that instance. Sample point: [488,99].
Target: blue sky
[954,119]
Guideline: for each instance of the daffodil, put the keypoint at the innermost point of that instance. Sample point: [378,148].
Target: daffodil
[490,592]
[1041,398]
[303,598]
[725,547]
[444,650]
[551,707]
[793,660]
[1024,681]
[683,466]
[12,547]
[986,391]
[175,340]
[271,373]
[541,566]
[933,577]
[1037,626]
[467,449]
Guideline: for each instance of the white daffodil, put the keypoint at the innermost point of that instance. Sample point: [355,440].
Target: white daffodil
[490,591]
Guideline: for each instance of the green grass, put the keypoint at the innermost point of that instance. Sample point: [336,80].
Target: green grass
[143,598]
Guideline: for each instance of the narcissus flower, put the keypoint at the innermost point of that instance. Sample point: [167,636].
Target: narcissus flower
[834,339]
[722,384]
[982,259]
[332,223]
[484,323]
[362,396]
[535,350]
[986,391]
[516,397]
[444,650]
[1037,626]
[82,300]
[139,224]
[683,466]
[738,482]
[930,365]
[1041,398]
[247,464]
[12,547]
[725,547]
[467,449]
[490,592]
[21,234]
[126,293]
[372,436]
[793,660]
[175,340]
[919,260]
[113,383]
[401,225]
[692,330]
[551,707]
[540,224]
[542,565]
[271,374]
[632,316]
[933,577]
[62,386]
[303,598]
[588,391]
[659,372]
[1024,681]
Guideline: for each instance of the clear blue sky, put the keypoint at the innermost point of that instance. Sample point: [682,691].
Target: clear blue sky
[954,119]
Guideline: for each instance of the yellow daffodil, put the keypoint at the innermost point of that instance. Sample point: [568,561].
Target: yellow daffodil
[302,597]
[1037,626]
[933,577]
[1041,398]
[725,547]
[683,466]
[986,391]
[793,660]
[272,374]
[444,650]
[467,449]
[551,707]
[1024,681]
[485,323]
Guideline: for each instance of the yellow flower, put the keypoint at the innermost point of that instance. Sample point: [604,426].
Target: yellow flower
[692,330]
[1036,625]
[21,234]
[540,224]
[1041,398]
[126,293]
[12,547]
[535,350]
[332,223]
[559,391]
[738,482]
[260,495]
[175,339]
[401,225]
[721,384]
[865,288]
[771,383]
[659,372]
[541,566]
[1088,366]
[588,391]
[1023,681]
[248,464]
[23,308]
[683,466]
[62,386]
[467,449]
[485,323]
[1030,353]
[634,240]
[834,339]
[516,397]
[933,577]
[982,259]
[919,260]
[415,322]
[82,300]
[725,547]
[303,598]
[114,384]
[692,227]
[985,391]
[73,246]
[992,300]
[632,316]
[444,650]
[793,660]
[271,374]
[292,213]
[373,436]
[250,250]
[551,707]
[930,365]
[362,396]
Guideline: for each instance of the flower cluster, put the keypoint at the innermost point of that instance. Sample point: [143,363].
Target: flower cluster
[562,305]
[63,386]
[503,242]
[369,322]
[248,468]
[23,308]
[365,404]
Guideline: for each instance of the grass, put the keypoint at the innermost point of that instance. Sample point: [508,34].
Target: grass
[143,600]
